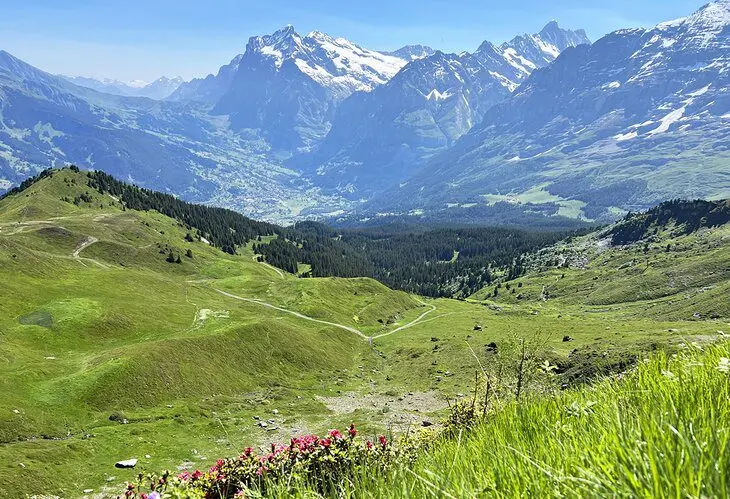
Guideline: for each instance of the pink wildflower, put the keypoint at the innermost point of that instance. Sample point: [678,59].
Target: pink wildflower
[352,431]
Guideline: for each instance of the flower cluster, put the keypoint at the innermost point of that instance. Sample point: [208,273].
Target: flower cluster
[321,462]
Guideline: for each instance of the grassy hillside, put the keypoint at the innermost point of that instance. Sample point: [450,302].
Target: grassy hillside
[667,274]
[658,431]
[115,328]
[109,351]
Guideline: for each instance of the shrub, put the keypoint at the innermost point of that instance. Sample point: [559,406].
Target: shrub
[322,463]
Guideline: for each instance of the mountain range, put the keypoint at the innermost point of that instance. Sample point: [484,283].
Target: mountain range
[159,89]
[380,137]
[640,116]
[317,126]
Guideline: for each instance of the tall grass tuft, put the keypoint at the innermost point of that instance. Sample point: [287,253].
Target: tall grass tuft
[662,430]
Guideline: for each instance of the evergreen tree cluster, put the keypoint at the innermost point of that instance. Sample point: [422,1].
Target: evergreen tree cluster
[688,216]
[224,229]
[28,182]
[440,262]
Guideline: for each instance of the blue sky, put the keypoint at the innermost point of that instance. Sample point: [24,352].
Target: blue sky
[136,39]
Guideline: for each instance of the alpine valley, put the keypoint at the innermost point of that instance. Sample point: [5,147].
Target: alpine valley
[316,127]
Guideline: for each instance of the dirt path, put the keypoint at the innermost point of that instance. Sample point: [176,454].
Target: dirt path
[76,255]
[414,322]
[370,339]
[84,244]
[296,314]
[256,259]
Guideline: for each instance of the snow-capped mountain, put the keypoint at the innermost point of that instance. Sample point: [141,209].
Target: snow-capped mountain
[379,138]
[158,89]
[412,52]
[543,48]
[288,86]
[640,116]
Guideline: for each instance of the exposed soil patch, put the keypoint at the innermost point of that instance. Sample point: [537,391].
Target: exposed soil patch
[37,318]
[408,409]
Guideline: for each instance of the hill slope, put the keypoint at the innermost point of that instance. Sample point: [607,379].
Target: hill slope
[106,324]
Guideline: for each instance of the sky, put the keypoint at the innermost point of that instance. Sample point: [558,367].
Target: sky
[144,39]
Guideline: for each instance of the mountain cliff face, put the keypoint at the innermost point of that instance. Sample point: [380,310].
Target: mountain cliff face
[289,86]
[209,89]
[379,138]
[639,116]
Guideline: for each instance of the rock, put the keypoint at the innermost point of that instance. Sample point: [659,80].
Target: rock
[16,411]
[438,378]
[275,411]
[567,338]
[21,465]
[460,395]
[434,339]
[263,424]
[448,373]
[129,463]
[147,456]
[478,327]
[88,491]
[492,347]
[426,423]
[169,406]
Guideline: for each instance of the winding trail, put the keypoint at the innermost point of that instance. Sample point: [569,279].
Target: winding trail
[370,339]
[76,255]
[296,314]
[410,324]
[84,244]
[255,259]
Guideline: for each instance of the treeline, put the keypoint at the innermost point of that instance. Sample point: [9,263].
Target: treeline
[437,263]
[27,183]
[224,229]
[688,216]
[440,262]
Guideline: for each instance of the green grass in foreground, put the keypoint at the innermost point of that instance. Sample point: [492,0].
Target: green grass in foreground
[662,430]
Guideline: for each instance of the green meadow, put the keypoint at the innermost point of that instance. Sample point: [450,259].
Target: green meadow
[110,352]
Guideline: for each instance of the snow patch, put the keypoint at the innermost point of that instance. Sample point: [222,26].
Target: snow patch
[668,121]
[626,136]
[435,95]
[701,91]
